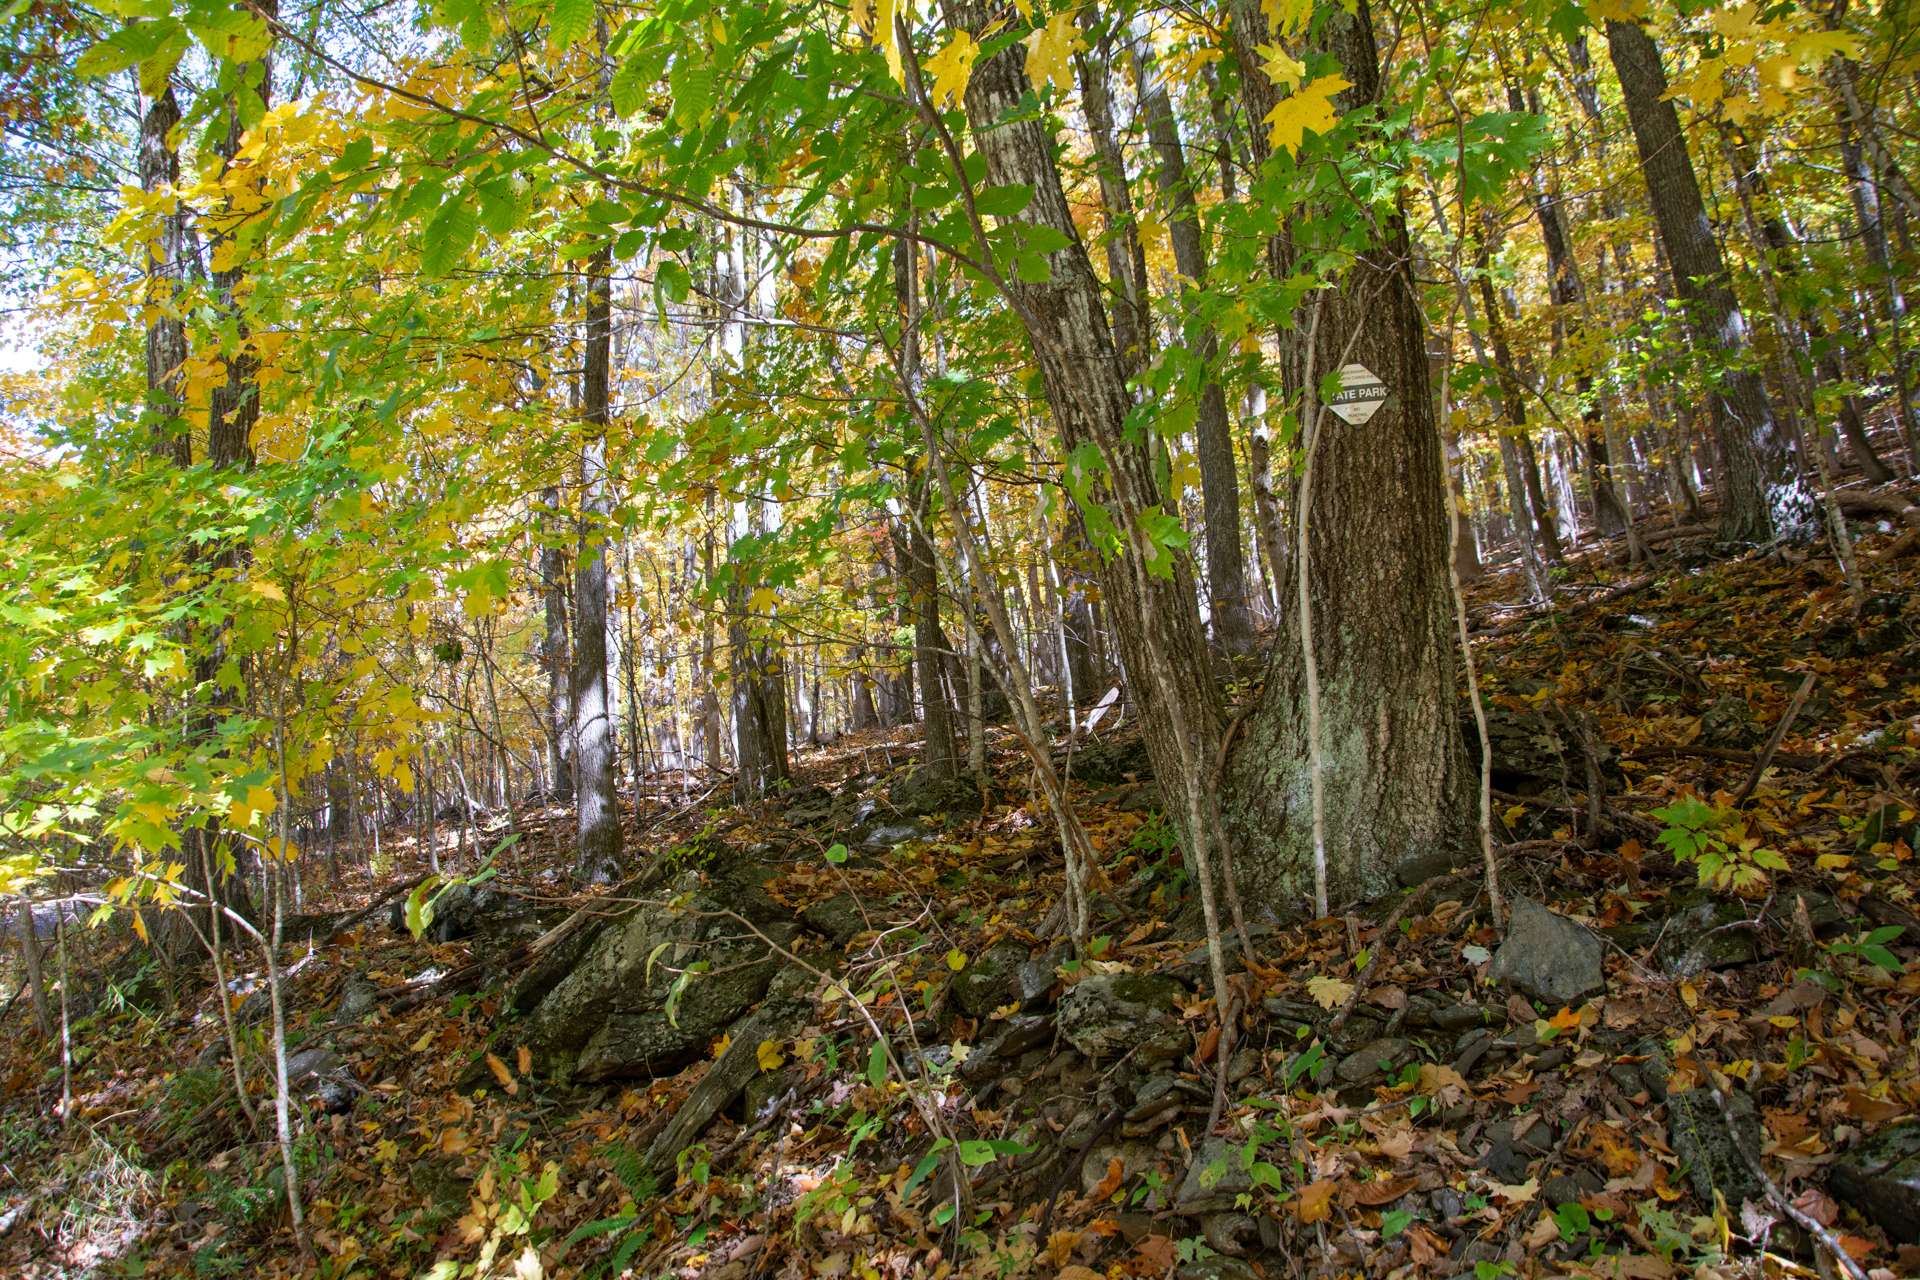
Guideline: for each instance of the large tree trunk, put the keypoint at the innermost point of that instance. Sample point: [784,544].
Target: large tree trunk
[597,853]
[166,264]
[1873,239]
[1219,470]
[1761,494]
[1395,769]
[555,655]
[939,754]
[1146,585]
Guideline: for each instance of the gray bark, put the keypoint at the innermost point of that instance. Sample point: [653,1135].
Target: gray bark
[1761,495]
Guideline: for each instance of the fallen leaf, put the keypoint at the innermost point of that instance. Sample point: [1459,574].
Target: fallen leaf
[1315,1201]
[1328,993]
[1382,1191]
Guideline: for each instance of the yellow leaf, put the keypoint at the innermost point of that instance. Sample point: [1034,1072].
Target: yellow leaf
[1281,67]
[1287,17]
[1310,108]
[1050,51]
[258,803]
[1315,1201]
[956,959]
[769,1055]
[952,67]
[271,590]
[1602,11]
[524,1056]
[1328,993]
[1814,47]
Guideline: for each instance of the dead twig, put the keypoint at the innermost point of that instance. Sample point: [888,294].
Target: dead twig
[1773,742]
[1778,1200]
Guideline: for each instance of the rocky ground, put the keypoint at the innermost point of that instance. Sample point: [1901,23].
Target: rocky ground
[823,1038]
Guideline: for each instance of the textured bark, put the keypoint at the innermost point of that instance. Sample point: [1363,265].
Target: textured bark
[1873,238]
[1569,301]
[234,406]
[939,754]
[556,657]
[598,848]
[166,266]
[1126,257]
[1149,591]
[1800,332]
[1513,406]
[1396,775]
[1761,495]
[1219,470]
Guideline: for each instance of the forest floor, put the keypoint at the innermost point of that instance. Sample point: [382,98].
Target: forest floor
[1393,1108]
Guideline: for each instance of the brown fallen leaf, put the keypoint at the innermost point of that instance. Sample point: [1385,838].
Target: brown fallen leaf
[1315,1201]
[1382,1191]
[502,1074]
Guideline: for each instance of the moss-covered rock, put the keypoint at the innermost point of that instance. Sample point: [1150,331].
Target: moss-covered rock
[1115,1013]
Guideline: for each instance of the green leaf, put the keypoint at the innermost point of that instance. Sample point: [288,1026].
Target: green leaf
[449,236]
[672,280]
[877,1064]
[1005,201]
[1032,268]
[569,21]
[629,86]
[836,854]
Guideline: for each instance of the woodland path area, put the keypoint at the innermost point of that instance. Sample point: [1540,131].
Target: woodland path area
[1409,1093]
[1096,639]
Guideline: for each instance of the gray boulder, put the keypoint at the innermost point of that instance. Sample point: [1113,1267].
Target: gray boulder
[1881,1179]
[1699,1134]
[990,980]
[1115,1013]
[609,1015]
[1548,956]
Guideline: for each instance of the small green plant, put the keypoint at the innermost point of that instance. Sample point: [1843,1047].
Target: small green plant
[1715,840]
[1871,948]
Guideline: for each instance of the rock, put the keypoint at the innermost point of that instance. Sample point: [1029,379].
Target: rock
[1458,1017]
[358,998]
[1374,1060]
[1017,1035]
[1038,977]
[1548,956]
[990,980]
[1135,1159]
[1705,932]
[1113,1013]
[316,1060]
[1511,1150]
[784,1012]
[1219,1267]
[1214,1177]
[1106,764]
[1229,1234]
[554,960]
[1700,1136]
[918,796]
[882,838]
[1881,1179]
[608,1016]
[839,918]
[1730,722]
[1571,1187]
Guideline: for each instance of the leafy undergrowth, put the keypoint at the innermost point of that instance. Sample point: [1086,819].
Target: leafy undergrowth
[1391,1110]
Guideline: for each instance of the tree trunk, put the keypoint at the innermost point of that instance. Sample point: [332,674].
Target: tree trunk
[1761,495]
[166,265]
[939,751]
[1873,238]
[1396,775]
[597,852]
[554,654]
[1219,470]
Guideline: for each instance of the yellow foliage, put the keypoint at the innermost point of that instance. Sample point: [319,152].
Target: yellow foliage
[952,67]
[1050,51]
[1310,108]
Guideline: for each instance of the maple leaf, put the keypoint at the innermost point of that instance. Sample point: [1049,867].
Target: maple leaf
[952,67]
[1050,50]
[1287,17]
[1282,67]
[1328,993]
[1315,1202]
[768,1052]
[1310,108]
[1814,47]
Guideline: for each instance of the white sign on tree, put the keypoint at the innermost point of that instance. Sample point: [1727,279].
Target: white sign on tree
[1360,396]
